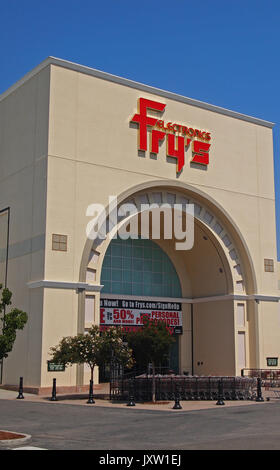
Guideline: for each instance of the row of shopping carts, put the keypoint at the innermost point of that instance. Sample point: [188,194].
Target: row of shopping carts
[186,388]
[270,377]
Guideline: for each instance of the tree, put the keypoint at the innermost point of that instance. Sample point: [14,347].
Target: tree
[92,348]
[11,322]
[112,346]
[150,344]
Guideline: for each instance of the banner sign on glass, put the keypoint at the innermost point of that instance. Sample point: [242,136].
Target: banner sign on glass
[128,314]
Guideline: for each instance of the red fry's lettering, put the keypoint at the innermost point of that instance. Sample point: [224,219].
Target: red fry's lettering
[170,127]
[160,124]
[178,153]
[144,121]
[175,143]
[198,133]
[191,132]
[201,152]
[157,136]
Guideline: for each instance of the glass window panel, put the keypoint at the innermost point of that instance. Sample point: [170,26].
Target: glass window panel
[157,290]
[148,277]
[127,263]
[107,287]
[127,276]
[157,254]
[148,265]
[116,250]
[157,266]
[117,262]
[157,278]
[137,289]
[116,275]
[137,276]
[138,252]
[148,252]
[127,288]
[106,274]
[116,287]
[144,263]
[167,289]
[138,265]
[176,289]
[147,289]
[107,262]
[127,251]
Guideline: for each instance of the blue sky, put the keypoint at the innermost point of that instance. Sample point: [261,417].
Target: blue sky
[224,52]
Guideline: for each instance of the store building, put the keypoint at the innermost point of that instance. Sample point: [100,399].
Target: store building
[70,137]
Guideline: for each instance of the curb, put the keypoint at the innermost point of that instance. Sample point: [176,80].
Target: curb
[14,442]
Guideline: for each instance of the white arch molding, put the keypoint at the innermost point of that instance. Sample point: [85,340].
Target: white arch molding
[208,214]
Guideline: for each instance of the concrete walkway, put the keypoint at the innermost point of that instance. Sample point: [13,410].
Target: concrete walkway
[81,400]
[9,394]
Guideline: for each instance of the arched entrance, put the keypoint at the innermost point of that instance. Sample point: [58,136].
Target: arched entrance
[140,268]
[215,276]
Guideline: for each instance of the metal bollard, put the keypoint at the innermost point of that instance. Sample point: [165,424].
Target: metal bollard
[20,390]
[131,401]
[53,398]
[177,405]
[90,398]
[220,393]
[259,390]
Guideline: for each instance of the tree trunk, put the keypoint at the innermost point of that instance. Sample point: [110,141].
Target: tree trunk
[153,384]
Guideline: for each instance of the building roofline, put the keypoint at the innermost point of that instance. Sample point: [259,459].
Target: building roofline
[136,85]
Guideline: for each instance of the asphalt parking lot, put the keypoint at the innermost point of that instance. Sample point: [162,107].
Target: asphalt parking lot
[60,427]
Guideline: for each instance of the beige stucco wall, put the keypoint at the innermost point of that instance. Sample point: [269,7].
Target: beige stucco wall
[23,172]
[92,153]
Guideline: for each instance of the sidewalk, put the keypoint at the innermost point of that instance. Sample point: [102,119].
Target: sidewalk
[81,400]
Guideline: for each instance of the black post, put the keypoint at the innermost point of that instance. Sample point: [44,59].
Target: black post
[131,401]
[220,393]
[259,390]
[90,398]
[177,405]
[53,398]
[20,390]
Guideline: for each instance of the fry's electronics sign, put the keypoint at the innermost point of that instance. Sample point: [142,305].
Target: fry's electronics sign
[129,314]
[178,138]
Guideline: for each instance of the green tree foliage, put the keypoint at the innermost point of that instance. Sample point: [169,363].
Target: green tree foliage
[150,344]
[10,323]
[93,349]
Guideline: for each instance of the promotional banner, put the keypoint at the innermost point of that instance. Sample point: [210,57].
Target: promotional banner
[128,314]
